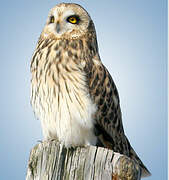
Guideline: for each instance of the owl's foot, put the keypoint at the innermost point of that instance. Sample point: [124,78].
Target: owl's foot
[39,141]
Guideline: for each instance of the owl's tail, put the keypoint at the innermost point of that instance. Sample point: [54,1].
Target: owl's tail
[105,140]
[145,172]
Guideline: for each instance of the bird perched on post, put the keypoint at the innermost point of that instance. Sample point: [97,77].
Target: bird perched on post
[72,92]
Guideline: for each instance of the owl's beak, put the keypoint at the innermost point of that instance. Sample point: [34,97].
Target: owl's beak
[58,29]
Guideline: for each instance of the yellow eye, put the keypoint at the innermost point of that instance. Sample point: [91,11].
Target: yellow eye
[73,19]
[52,19]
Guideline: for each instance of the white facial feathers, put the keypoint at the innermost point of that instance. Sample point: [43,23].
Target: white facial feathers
[61,27]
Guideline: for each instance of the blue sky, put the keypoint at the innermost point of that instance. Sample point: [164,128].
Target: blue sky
[132,37]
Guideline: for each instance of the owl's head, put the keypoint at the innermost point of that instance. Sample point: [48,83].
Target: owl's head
[67,20]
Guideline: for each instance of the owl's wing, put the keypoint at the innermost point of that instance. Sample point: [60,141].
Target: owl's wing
[108,119]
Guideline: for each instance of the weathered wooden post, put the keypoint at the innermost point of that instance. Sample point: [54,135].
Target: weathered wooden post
[50,160]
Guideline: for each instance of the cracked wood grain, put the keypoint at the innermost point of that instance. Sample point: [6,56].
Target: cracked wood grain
[50,160]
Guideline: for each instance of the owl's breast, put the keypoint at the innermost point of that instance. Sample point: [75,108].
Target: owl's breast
[61,100]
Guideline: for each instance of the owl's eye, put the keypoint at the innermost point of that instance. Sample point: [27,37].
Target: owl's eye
[73,19]
[52,19]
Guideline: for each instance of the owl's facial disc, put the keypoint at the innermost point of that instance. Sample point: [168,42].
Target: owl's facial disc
[67,20]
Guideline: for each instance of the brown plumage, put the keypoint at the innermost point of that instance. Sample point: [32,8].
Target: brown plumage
[73,94]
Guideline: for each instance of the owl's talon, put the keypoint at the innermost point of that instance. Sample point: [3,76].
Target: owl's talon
[39,141]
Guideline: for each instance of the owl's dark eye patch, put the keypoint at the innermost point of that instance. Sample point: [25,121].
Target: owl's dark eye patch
[52,19]
[74,19]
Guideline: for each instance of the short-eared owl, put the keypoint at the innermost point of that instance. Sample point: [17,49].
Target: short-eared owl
[72,93]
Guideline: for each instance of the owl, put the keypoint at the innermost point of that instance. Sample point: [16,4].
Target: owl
[72,92]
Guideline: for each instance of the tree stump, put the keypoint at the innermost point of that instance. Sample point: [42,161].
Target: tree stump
[50,160]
